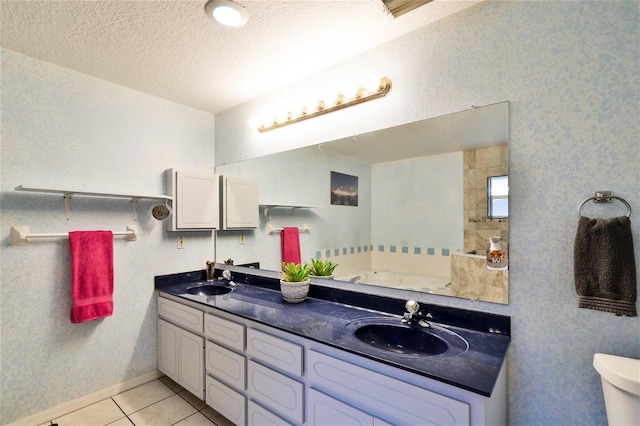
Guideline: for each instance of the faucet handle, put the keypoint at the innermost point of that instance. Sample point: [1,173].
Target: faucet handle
[412,307]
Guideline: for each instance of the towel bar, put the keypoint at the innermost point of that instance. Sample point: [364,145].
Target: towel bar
[272,230]
[20,234]
[605,197]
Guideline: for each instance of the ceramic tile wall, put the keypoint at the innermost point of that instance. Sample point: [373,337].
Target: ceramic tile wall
[479,164]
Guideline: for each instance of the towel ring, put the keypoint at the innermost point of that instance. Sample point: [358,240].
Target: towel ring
[605,197]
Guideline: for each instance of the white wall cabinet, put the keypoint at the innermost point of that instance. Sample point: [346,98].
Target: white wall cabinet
[279,378]
[196,200]
[239,208]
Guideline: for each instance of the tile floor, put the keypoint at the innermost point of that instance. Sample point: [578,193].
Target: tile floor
[158,403]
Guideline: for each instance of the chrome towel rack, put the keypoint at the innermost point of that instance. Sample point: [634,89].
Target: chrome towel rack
[20,234]
[605,197]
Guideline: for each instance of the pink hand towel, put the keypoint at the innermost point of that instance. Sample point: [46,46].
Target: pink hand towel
[290,245]
[91,275]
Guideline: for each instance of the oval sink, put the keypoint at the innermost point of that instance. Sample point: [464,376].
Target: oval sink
[392,336]
[401,340]
[208,290]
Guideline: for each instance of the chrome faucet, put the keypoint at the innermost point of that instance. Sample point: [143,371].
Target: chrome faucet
[413,315]
[226,276]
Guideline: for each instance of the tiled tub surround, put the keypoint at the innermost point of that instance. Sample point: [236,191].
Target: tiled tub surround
[479,165]
[471,279]
[324,315]
[434,264]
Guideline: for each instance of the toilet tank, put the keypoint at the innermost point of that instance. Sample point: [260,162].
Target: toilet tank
[621,387]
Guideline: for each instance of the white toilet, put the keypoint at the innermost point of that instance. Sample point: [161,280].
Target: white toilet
[621,387]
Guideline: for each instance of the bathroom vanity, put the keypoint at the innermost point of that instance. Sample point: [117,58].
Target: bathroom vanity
[259,360]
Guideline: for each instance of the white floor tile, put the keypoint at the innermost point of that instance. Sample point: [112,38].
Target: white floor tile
[121,422]
[172,385]
[142,396]
[192,399]
[166,412]
[100,413]
[196,419]
[216,417]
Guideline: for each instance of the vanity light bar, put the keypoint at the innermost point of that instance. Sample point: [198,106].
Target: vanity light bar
[342,99]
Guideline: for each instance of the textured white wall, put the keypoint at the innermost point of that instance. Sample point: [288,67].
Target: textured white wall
[571,72]
[65,129]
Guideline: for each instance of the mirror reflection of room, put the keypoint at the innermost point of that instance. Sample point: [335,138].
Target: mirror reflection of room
[422,202]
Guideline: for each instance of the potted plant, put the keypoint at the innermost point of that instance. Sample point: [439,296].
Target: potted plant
[322,268]
[294,284]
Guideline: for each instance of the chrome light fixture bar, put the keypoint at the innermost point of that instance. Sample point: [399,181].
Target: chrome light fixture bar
[342,99]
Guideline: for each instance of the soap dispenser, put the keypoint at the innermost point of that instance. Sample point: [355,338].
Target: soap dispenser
[496,254]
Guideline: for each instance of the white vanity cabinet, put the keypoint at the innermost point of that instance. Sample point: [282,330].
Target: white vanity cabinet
[180,350]
[259,375]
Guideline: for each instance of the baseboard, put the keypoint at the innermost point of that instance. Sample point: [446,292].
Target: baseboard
[76,404]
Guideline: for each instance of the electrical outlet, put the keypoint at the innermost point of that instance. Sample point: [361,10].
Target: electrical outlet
[242,239]
[182,242]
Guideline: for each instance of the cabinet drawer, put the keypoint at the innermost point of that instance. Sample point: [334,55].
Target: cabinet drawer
[276,391]
[260,416]
[224,331]
[374,392]
[179,314]
[226,401]
[324,410]
[275,351]
[226,365]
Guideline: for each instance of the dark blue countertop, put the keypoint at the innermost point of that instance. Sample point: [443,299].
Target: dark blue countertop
[325,314]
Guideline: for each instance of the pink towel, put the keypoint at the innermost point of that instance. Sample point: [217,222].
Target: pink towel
[91,275]
[290,245]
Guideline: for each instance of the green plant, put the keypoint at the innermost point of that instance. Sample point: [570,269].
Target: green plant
[294,273]
[322,268]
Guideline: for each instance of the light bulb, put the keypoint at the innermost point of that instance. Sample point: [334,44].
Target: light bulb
[227,13]
[372,84]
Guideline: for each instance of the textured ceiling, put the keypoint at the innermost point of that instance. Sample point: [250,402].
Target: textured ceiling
[171,49]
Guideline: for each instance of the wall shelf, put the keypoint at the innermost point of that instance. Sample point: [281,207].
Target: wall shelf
[89,193]
[268,207]
[68,193]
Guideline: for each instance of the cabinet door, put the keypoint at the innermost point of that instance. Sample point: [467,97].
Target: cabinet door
[226,401]
[224,331]
[181,315]
[195,200]
[167,349]
[276,391]
[275,351]
[226,365]
[240,209]
[378,393]
[181,357]
[260,416]
[191,362]
[324,410]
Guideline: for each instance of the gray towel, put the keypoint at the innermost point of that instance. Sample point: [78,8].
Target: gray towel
[604,265]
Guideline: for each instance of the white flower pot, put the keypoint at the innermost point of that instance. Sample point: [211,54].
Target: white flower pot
[295,292]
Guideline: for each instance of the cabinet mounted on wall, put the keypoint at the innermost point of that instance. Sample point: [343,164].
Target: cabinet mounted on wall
[239,207]
[196,200]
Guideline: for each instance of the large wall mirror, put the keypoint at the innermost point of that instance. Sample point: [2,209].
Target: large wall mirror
[421,219]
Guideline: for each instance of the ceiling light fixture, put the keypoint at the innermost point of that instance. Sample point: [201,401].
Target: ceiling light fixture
[227,12]
[354,95]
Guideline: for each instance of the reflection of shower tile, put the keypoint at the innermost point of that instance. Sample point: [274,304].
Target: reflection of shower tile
[471,279]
